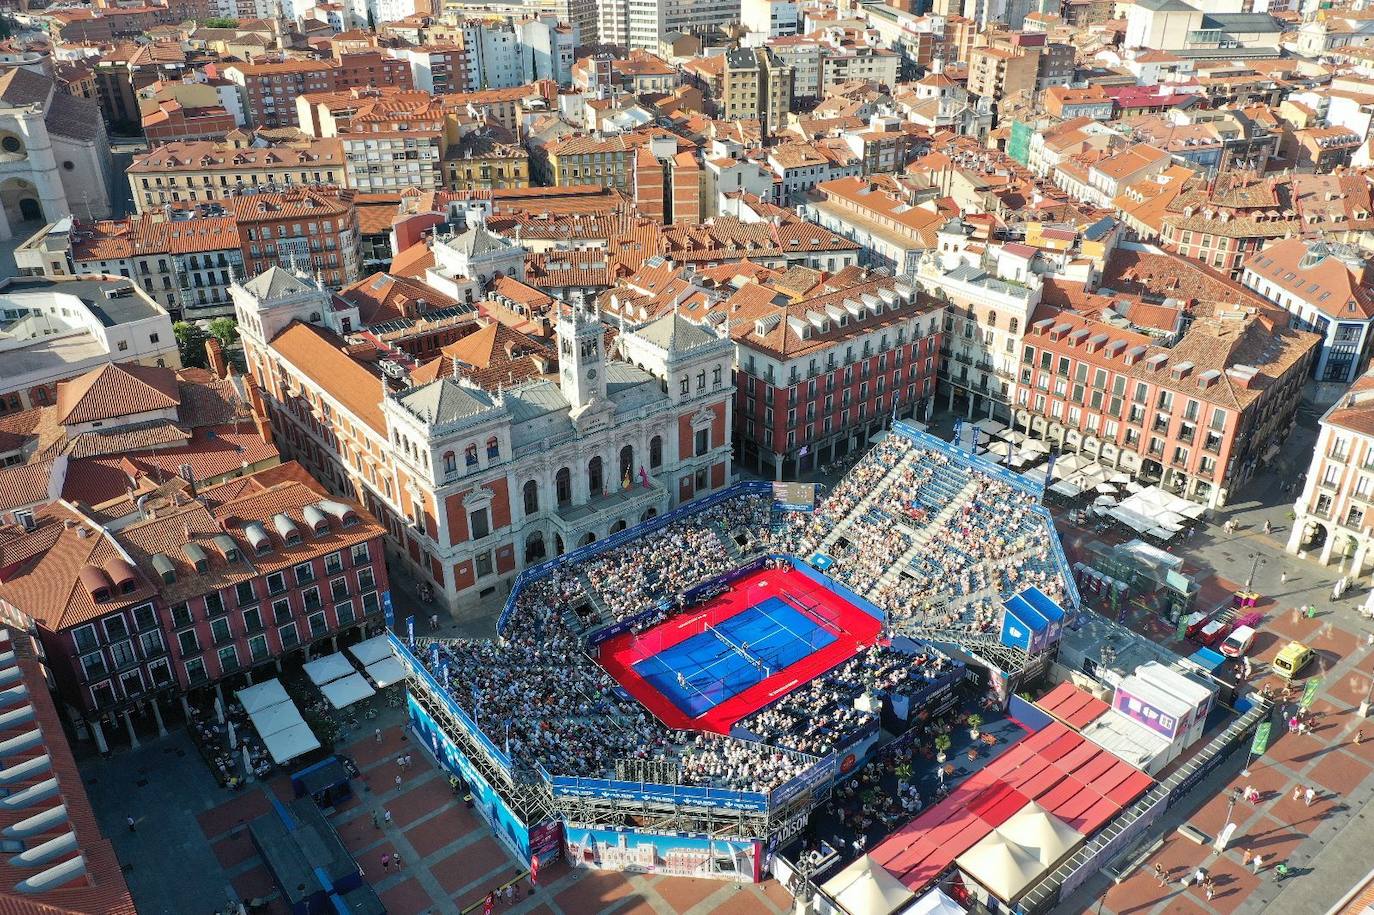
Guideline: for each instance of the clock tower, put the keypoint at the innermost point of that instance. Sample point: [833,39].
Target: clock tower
[581,356]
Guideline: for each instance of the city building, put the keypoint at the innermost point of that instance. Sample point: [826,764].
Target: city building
[56,328]
[758,86]
[1324,286]
[311,229]
[202,170]
[189,588]
[1333,520]
[638,25]
[770,18]
[54,154]
[475,484]
[879,215]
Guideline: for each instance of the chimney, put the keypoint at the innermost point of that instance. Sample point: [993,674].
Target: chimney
[187,474]
[214,355]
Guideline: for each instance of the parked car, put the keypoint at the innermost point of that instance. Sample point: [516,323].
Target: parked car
[1238,643]
[1212,632]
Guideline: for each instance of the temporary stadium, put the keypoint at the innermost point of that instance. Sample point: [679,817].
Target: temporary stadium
[692,695]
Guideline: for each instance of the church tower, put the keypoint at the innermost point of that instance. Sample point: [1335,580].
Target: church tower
[581,356]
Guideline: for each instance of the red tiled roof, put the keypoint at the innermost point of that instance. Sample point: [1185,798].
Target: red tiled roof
[317,354]
[116,389]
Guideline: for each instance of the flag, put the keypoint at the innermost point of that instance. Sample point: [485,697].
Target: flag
[410,629]
[958,433]
[433,655]
[444,668]
[1261,741]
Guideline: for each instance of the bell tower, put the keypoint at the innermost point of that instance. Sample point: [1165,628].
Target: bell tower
[581,356]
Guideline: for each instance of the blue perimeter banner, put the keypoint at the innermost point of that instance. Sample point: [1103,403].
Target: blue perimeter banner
[409,660]
[658,794]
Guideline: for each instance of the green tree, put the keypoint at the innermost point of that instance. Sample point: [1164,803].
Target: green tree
[220,22]
[191,342]
[225,330]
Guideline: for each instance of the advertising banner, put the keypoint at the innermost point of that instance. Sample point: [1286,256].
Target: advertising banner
[672,854]
[1261,741]
[1160,721]
[609,789]
[1309,692]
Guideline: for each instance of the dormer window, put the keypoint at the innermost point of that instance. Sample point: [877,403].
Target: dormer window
[165,569]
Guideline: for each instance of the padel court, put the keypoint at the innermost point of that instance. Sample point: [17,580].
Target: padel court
[724,659]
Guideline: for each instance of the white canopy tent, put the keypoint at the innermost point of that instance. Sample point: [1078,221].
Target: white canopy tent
[386,672]
[935,902]
[1067,488]
[865,888]
[373,650]
[347,690]
[279,717]
[1042,833]
[262,695]
[327,669]
[1001,866]
[288,744]
[990,426]
[1013,436]
[1034,444]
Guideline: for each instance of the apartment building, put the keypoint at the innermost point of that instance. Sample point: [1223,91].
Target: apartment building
[202,170]
[821,369]
[758,86]
[180,593]
[1334,520]
[474,484]
[391,145]
[62,326]
[268,90]
[309,229]
[877,212]
[1223,222]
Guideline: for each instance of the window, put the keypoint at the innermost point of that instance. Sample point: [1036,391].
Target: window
[228,659]
[281,611]
[93,665]
[655,452]
[188,642]
[219,630]
[145,617]
[450,462]
[493,448]
[195,670]
[276,583]
[151,643]
[305,573]
[365,581]
[116,628]
[360,554]
[333,563]
[484,565]
[703,441]
[244,592]
[338,589]
[85,638]
[370,603]
[288,636]
[103,694]
[214,603]
[318,625]
[160,672]
[477,524]
[252,619]
[257,649]
[343,612]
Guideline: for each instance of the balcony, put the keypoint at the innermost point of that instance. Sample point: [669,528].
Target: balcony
[573,522]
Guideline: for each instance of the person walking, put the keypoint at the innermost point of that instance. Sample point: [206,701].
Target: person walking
[130,821]
[1283,577]
[1160,875]
[386,863]
[1359,736]
[398,783]
[1258,862]
[1297,793]
[408,763]
[1308,796]
[377,818]
[386,817]
[379,735]
[434,622]
[1245,857]
[396,861]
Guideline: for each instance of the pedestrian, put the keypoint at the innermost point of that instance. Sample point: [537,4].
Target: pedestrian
[1297,793]
[401,762]
[1235,794]
[1359,736]
[1245,857]
[1308,796]
[379,735]
[1258,862]
[1160,875]
[377,818]
[408,761]
[1283,577]
[396,862]
[386,817]
[1209,892]
[510,894]
[1199,875]
[130,821]
[398,783]
[386,863]
[434,622]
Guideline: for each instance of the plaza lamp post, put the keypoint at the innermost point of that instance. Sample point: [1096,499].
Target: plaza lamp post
[1255,562]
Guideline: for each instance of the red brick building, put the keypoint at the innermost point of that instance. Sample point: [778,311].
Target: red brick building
[171,122]
[137,602]
[269,90]
[313,229]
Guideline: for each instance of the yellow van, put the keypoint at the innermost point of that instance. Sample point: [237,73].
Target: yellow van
[1291,660]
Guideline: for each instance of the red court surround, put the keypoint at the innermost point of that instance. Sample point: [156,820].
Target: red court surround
[857,630]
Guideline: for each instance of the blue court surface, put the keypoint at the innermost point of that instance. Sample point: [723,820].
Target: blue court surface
[733,655]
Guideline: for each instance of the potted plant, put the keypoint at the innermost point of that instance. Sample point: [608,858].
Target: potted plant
[942,745]
[973,722]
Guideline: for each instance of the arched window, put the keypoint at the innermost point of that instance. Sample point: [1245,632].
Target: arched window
[655,452]
[1012,327]
[470,455]
[562,483]
[648,513]
[531,497]
[619,526]
[493,448]
[595,478]
[627,464]
[534,547]
[992,320]
[588,540]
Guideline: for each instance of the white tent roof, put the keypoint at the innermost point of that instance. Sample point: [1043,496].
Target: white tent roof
[865,888]
[1041,833]
[262,695]
[328,668]
[999,864]
[386,672]
[288,744]
[347,690]
[373,650]
[276,718]
[935,902]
